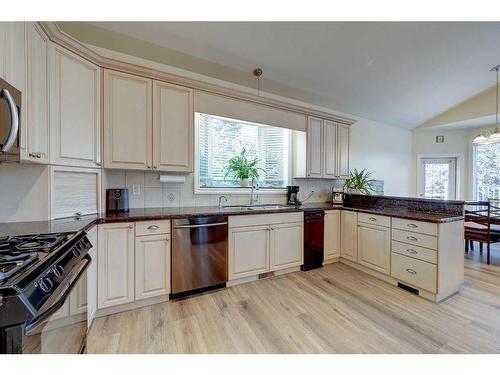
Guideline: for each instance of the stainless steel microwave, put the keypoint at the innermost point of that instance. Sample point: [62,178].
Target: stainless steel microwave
[10,109]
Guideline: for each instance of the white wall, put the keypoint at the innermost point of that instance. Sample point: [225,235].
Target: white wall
[385,150]
[24,194]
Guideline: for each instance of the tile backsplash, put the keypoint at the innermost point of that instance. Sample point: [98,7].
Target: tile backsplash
[151,193]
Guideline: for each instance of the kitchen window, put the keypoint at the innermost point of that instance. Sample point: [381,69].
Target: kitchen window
[219,139]
[486,171]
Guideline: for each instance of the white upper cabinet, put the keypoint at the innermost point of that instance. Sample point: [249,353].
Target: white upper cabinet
[172,127]
[326,150]
[314,147]
[343,139]
[37,101]
[330,149]
[74,109]
[128,113]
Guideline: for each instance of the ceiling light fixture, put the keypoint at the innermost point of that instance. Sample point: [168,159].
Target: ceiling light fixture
[492,136]
[257,72]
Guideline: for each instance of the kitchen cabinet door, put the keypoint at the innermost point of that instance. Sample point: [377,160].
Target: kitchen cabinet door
[287,246]
[374,247]
[128,121]
[92,277]
[348,239]
[332,234]
[74,109]
[343,135]
[115,268]
[330,149]
[314,147]
[4,49]
[172,127]
[78,297]
[152,266]
[248,251]
[37,99]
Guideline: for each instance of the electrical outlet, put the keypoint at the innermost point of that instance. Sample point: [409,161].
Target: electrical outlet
[136,189]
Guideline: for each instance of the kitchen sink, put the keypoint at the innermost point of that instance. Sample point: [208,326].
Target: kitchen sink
[256,207]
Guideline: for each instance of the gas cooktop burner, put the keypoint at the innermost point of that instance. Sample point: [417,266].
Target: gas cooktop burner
[31,243]
[11,264]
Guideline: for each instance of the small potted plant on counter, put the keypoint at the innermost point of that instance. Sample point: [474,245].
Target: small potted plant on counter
[359,182]
[243,169]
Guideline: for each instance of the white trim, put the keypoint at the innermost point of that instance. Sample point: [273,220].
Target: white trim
[458,173]
[234,190]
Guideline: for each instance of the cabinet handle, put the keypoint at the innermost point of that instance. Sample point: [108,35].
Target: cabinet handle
[38,155]
[78,214]
[411,238]
[149,167]
[411,251]
[153,227]
[155,167]
[412,225]
[412,271]
[372,219]
[98,163]
[131,226]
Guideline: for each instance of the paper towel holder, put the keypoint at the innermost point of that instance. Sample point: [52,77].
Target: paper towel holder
[171,178]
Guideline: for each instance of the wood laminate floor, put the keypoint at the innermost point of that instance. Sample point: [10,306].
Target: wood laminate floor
[335,309]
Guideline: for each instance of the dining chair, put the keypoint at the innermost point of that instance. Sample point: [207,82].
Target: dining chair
[479,216]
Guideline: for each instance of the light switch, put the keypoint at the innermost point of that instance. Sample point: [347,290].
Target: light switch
[136,189]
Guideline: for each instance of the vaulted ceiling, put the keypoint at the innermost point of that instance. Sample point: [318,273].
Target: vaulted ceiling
[397,73]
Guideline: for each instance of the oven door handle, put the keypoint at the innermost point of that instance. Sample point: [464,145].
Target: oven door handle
[13,120]
[40,319]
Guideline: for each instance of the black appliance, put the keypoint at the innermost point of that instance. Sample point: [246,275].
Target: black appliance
[199,249]
[313,239]
[292,195]
[116,200]
[10,108]
[38,273]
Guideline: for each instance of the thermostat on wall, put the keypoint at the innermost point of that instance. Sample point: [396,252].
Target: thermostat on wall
[439,138]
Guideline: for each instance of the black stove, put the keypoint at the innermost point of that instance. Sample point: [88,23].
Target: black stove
[37,273]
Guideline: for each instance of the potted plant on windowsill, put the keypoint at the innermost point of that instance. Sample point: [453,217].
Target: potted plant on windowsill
[359,182]
[243,169]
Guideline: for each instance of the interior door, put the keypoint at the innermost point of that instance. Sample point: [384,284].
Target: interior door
[437,178]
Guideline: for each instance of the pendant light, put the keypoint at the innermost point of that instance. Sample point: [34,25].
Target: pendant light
[491,136]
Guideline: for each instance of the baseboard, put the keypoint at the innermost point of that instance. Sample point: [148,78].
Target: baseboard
[130,306]
[265,275]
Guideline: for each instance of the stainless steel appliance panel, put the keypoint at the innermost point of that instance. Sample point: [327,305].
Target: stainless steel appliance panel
[199,253]
[10,110]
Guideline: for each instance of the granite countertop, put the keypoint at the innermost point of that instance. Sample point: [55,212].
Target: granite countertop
[163,213]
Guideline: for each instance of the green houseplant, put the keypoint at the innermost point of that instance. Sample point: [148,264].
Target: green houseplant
[243,169]
[359,182]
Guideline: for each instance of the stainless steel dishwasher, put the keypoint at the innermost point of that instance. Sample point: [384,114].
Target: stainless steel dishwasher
[199,254]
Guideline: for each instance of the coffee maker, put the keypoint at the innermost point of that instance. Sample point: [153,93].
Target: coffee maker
[292,196]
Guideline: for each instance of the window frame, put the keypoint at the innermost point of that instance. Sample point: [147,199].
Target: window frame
[474,171]
[237,190]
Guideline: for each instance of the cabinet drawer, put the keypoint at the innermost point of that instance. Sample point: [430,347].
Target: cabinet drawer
[415,238]
[415,226]
[374,219]
[416,252]
[413,271]
[265,219]
[144,228]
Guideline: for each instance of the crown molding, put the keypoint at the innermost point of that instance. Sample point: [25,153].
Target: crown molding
[56,35]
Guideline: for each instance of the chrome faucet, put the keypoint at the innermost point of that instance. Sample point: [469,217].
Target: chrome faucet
[253,196]
[220,201]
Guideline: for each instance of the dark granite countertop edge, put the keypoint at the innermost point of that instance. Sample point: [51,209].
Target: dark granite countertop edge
[86,223]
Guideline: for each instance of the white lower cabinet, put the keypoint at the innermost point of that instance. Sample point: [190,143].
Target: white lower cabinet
[248,251]
[264,243]
[349,238]
[374,247]
[115,267]
[152,266]
[287,249]
[332,234]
